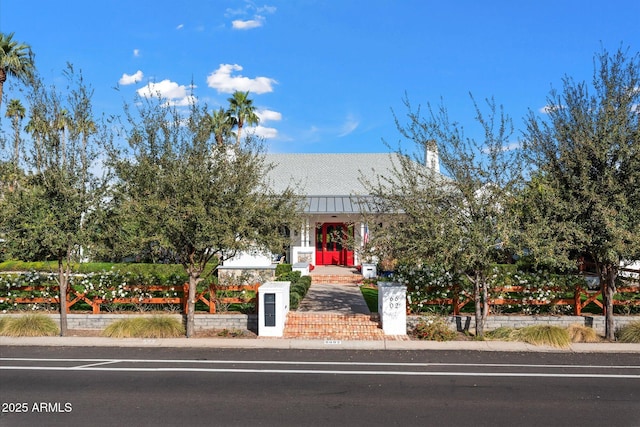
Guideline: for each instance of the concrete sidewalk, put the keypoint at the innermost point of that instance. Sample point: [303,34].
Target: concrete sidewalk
[279,343]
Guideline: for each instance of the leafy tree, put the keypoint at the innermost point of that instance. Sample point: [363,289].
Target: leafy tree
[15,112]
[243,111]
[180,190]
[16,60]
[221,125]
[587,154]
[459,220]
[45,217]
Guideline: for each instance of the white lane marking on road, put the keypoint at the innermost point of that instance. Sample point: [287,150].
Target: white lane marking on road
[90,365]
[320,363]
[326,372]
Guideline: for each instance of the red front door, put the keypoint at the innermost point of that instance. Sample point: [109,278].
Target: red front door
[331,244]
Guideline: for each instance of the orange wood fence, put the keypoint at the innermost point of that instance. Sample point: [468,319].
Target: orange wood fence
[626,296]
[208,296]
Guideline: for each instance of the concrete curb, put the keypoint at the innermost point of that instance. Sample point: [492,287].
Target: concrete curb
[278,343]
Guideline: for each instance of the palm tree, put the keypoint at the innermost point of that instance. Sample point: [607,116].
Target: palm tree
[35,126]
[85,127]
[241,108]
[15,112]
[61,124]
[16,59]
[222,124]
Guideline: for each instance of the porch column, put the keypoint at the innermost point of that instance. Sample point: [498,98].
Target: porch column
[304,234]
[360,244]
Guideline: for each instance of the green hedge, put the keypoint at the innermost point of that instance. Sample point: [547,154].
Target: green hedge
[158,271]
[283,269]
[299,286]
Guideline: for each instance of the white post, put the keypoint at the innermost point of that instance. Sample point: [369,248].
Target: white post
[392,307]
[273,308]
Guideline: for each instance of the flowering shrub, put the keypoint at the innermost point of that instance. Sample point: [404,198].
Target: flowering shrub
[11,284]
[105,285]
[426,283]
[533,293]
[432,288]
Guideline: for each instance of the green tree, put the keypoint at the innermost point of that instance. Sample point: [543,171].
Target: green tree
[221,125]
[16,112]
[181,191]
[243,111]
[587,153]
[16,60]
[460,219]
[44,218]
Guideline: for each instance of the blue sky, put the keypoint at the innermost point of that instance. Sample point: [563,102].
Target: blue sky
[324,74]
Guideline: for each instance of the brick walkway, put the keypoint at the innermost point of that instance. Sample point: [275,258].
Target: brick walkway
[334,312]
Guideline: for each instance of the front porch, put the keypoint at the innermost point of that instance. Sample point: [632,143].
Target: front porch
[336,240]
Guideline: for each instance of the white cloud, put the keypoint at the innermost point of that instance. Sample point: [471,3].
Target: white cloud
[239,24]
[222,80]
[264,132]
[129,79]
[174,93]
[550,108]
[349,126]
[235,12]
[179,27]
[266,9]
[268,116]
[183,102]
[136,52]
[250,9]
[516,145]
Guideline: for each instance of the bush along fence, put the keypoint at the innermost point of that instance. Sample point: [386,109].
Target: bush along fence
[114,292]
[433,289]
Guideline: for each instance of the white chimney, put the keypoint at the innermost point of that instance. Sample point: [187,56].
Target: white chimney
[432,159]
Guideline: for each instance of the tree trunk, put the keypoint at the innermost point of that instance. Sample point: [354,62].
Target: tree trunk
[3,78]
[16,143]
[608,279]
[479,309]
[485,301]
[62,281]
[194,278]
[238,135]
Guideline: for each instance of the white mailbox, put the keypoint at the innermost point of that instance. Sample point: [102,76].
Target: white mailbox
[273,306]
[392,307]
[369,271]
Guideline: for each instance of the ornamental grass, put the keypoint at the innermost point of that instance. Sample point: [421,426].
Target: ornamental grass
[581,333]
[145,327]
[29,325]
[552,336]
[629,333]
[433,329]
[503,333]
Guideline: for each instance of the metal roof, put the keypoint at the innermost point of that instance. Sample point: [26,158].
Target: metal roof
[333,205]
[330,182]
[327,174]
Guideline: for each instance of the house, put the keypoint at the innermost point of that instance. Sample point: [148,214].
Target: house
[333,193]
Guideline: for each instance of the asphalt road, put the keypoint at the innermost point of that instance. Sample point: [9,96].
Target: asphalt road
[58,386]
